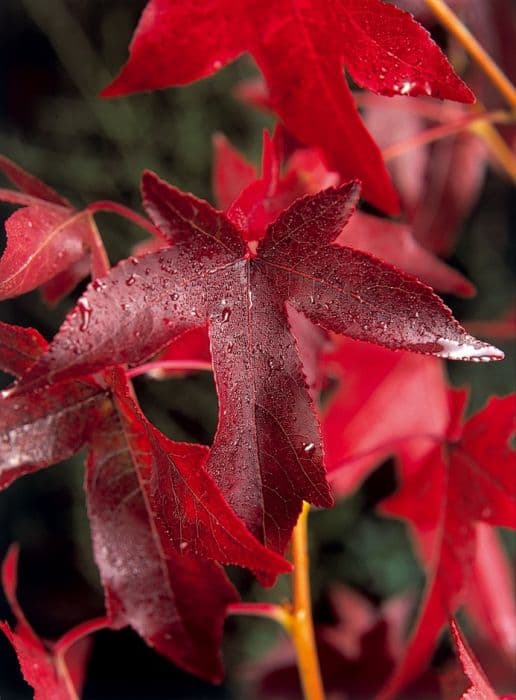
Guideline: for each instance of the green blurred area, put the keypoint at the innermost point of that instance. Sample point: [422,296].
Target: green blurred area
[55,57]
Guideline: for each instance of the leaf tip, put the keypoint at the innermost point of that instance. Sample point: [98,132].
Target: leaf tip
[469,349]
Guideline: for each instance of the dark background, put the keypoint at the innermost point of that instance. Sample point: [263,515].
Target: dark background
[55,55]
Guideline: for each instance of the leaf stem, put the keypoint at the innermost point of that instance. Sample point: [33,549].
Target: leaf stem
[300,621]
[274,612]
[450,20]
[296,617]
[499,150]
[441,131]
[129,214]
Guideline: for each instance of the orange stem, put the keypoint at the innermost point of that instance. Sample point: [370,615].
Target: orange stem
[450,20]
[300,625]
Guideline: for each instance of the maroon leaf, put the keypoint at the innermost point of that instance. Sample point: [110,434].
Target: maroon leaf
[164,596]
[266,455]
[300,48]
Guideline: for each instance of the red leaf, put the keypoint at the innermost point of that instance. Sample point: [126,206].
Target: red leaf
[54,669]
[439,183]
[260,203]
[301,49]
[266,456]
[377,409]
[46,241]
[188,511]
[19,348]
[40,245]
[466,480]
[149,503]
[43,427]
[31,185]
[164,596]
[490,597]
[480,687]
[395,243]
[231,173]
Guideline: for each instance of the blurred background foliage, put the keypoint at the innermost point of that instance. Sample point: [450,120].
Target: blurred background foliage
[55,56]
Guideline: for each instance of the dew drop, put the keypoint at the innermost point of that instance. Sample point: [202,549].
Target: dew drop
[98,285]
[309,448]
[174,296]
[134,260]
[225,315]
[85,310]
[130,280]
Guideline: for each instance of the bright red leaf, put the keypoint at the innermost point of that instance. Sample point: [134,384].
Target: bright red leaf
[301,48]
[54,669]
[266,455]
[467,479]
[46,242]
[376,410]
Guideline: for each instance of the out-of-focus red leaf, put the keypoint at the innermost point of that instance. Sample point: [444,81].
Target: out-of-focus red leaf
[31,185]
[377,410]
[231,172]
[438,183]
[54,669]
[266,456]
[300,48]
[356,652]
[489,595]
[466,480]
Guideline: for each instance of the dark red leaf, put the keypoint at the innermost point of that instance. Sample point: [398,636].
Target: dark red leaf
[54,669]
[468,479]
[266,456]
[301,49]
[176,602]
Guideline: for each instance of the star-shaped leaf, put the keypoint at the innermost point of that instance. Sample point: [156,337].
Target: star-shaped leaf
[266,456]
[301,48]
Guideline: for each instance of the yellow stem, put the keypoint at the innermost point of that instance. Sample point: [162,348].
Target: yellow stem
[450,20]
[441,131]
[299,623]
[496,145]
